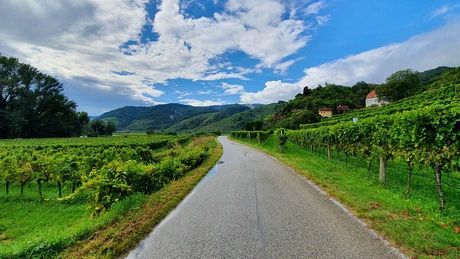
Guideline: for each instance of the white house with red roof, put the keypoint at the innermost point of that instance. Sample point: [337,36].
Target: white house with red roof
[373,100]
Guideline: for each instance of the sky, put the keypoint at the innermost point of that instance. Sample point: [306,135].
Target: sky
[114,53]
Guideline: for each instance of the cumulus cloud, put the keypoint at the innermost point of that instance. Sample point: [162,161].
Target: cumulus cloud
[422,52]
[273,92]
[255,27]
[88,40]
[84,47]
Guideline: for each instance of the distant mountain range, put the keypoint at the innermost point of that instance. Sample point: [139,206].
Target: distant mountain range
[187,119]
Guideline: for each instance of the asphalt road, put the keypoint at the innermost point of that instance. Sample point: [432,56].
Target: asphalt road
[252,206]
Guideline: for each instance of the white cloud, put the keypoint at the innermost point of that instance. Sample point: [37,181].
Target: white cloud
[205,92]
[273,92]
[194,102]
[232,89]
[315,7]
[181,95]
[253,26]
[321,20]
[422,52]
[84,48]
[444,10]
[84,41]
[440,11]
[283,67]
[223,75]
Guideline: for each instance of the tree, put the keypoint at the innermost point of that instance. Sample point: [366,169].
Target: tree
[254,125]
[400,85]
[99,128]
[306,91]
[82,122]
[110,128]
[32,103]
[361,90]
[96,127]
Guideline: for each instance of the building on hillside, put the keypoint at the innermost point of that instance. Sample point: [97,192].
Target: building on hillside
[373,100]
[325,112]
[342,109]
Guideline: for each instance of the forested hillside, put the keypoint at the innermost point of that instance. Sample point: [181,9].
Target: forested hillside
[175,117]
[303,109]
[154,117]
[239,120]
[196,122]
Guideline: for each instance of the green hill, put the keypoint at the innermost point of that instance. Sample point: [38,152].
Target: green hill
[155,117]
[237,121]
[195,123]
[426,76]
[180,118]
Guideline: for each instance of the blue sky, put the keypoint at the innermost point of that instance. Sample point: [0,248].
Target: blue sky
[110,54]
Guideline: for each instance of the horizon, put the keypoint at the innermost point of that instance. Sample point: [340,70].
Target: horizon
[204,53]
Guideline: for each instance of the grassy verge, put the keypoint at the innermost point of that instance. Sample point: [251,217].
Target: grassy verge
[39,226]
[124,234]
[414,224]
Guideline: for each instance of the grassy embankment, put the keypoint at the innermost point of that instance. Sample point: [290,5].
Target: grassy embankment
[39,227]
[414,224]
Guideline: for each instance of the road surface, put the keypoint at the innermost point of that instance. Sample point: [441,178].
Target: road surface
[252,206]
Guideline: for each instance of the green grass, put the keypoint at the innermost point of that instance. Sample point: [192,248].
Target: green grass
[30,224]
[414,224]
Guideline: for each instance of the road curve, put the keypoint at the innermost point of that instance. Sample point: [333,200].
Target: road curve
[252,206]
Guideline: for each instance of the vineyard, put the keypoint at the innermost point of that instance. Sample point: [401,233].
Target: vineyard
[68,174]
[416,139]
[427,136]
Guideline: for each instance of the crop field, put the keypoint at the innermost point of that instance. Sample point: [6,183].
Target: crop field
[54,192]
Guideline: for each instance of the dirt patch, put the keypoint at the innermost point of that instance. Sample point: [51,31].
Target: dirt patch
[373,205]
[405,214]
[4,239]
